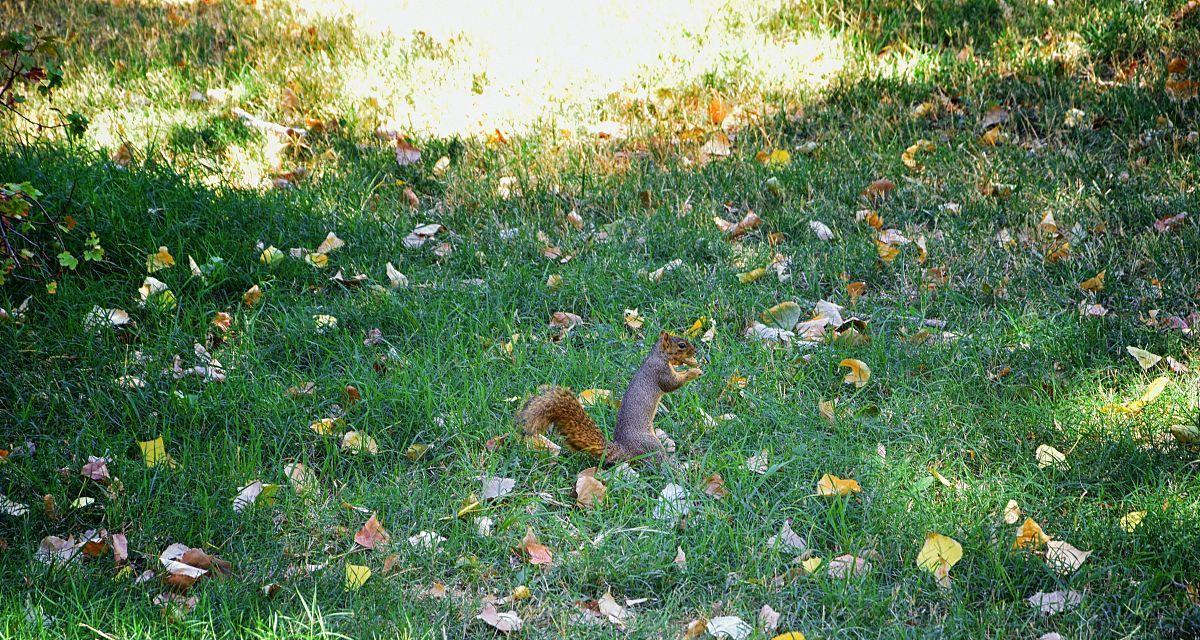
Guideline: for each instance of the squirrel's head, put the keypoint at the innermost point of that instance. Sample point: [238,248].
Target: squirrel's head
[676,350]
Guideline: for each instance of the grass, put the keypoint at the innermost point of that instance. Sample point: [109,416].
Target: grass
[846,75]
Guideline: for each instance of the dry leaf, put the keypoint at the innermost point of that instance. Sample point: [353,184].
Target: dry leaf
[672,503]
[154,453]
[787,540]
[758,463]
[589,491]
[303,480]
[372,534]
[878,189]
[1030,535]
[1093,284]
[358,442]
[159,260]
[731,627]
[1132,520]
[848,566]
[497,487]
[938,555]
[406,153]
[502,621]
[330,244]
[1055,601]
[768,618]
[539,554]
[859,373]
[633,319]
[714,486]
[1012,512]
[96,469]
[1146,359]
[1048,456]
[1064,557]
[252,296]
[831,485]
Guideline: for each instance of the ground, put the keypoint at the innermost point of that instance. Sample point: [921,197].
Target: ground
[1060,144]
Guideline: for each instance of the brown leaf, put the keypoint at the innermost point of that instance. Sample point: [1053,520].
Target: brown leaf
[714,486]
[878,189]
[372,534]
[588,490]
[538,553]
[96,469]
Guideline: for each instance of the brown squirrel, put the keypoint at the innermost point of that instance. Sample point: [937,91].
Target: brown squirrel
[634,436]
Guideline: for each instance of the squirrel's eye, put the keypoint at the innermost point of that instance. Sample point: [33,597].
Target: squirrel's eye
[681,344]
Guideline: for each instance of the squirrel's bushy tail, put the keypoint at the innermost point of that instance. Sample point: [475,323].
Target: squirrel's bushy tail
[558,406]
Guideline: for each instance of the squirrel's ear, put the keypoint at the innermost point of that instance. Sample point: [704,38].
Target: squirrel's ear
[664,339]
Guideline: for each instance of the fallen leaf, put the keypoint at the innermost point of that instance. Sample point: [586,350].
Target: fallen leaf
[396,279]
[848,566]
[494,487]
[859,373]
[302,479]
[589,491]
[1093,284]
[1030,535]
[154,453]
[1165,224]
[96,469]
[252,296]
[878,189]
[1132,520]
[159,260]
[372,534]
[831,485]
[1151,393]
[1064,557]
[1012,512]
[358,442]
[1055,601]
[503,621]
[633,319]
[672,503]
[330,244]
[99,317]
[406,153]
[425,541]
[1146,359]
[938,555]
[564,320]
[539,554]
[750,276]
[758,463]
[611,610]
[731,627]
[821,230]
[12,508]
[787,540]
[714,486]
[56,550]
[1048,456]
[356,576]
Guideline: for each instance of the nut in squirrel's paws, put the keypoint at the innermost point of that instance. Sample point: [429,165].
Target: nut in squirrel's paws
[693,373]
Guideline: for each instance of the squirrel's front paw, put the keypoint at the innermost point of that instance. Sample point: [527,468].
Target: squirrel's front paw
[692,374]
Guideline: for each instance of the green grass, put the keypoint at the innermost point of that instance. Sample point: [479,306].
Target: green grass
[442,376]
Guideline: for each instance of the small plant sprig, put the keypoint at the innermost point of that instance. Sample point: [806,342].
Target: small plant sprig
[30,61]
[35,245]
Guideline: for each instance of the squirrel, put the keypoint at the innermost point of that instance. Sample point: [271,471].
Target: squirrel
[634,437]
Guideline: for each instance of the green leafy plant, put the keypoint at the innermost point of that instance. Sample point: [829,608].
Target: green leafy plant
[36,244]
[30,61]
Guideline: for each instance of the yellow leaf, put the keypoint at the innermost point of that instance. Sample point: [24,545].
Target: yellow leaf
[939,477]
[1029,534]
[810,565]
[1012,512]
[159,261]
[633,319]
[358,442]
[356,576]
[991,137]
[826,409]
[791,635]
[318,260]
[327,426]
[696,328]
[1132,520]
[750,276]
[1146,359]
[154,453]
[330,243]
[270,256]
[887,253]
[592,397]
[1048,225]
[1048,456]
[939,550]
[1153,390]
[831,485]
[1093,284]
[859,374]
[554,281]
[252,295]
[774,158]
[1059,252]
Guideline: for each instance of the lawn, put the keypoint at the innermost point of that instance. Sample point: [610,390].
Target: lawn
[998,198]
